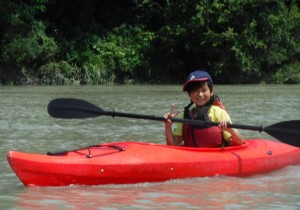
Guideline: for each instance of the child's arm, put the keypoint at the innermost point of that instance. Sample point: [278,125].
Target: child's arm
[236,137]
[170,138]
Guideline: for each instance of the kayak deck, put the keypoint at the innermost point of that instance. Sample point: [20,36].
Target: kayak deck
[134,162]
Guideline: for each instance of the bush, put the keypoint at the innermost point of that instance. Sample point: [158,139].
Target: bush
[58,73]
[118,56]
[26,54]
[288,74]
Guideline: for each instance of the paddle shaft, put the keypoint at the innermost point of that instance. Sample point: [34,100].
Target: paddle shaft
[68,108]
[186,121]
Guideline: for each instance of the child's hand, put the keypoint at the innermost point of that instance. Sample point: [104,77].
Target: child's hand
[168,116]
[236,137]
[223,124]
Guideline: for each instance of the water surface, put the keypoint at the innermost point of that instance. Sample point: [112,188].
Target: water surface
[26,126]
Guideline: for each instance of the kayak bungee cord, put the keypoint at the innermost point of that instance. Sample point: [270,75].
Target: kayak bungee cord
[89,155]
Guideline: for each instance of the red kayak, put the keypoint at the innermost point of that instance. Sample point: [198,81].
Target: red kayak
[134,162]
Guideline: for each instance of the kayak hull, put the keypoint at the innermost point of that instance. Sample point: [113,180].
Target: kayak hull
[135,162]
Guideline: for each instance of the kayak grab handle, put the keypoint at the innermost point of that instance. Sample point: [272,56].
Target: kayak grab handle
[58,153]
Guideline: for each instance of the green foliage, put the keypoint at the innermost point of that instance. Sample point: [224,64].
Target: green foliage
[29,52]
[26,46]
[35,45]
[117,57]
[58,73]
[288,74]
[98,42]
[251,38]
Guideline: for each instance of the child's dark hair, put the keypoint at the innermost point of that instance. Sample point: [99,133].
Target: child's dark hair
[198,84]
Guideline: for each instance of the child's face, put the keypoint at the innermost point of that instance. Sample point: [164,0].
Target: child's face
[201,95]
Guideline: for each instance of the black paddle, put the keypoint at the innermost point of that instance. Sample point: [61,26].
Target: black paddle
[69,108]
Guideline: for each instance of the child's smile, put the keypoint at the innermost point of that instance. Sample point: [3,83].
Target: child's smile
[201,96]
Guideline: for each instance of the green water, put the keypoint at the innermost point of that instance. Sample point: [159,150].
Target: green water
[26,126]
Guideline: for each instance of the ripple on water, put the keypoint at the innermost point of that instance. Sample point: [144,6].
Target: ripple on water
[26,126]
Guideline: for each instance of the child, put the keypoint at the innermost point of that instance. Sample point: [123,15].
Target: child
[207,107]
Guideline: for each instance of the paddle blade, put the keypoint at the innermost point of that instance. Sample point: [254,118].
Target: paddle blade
[287,132]
[70,108]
